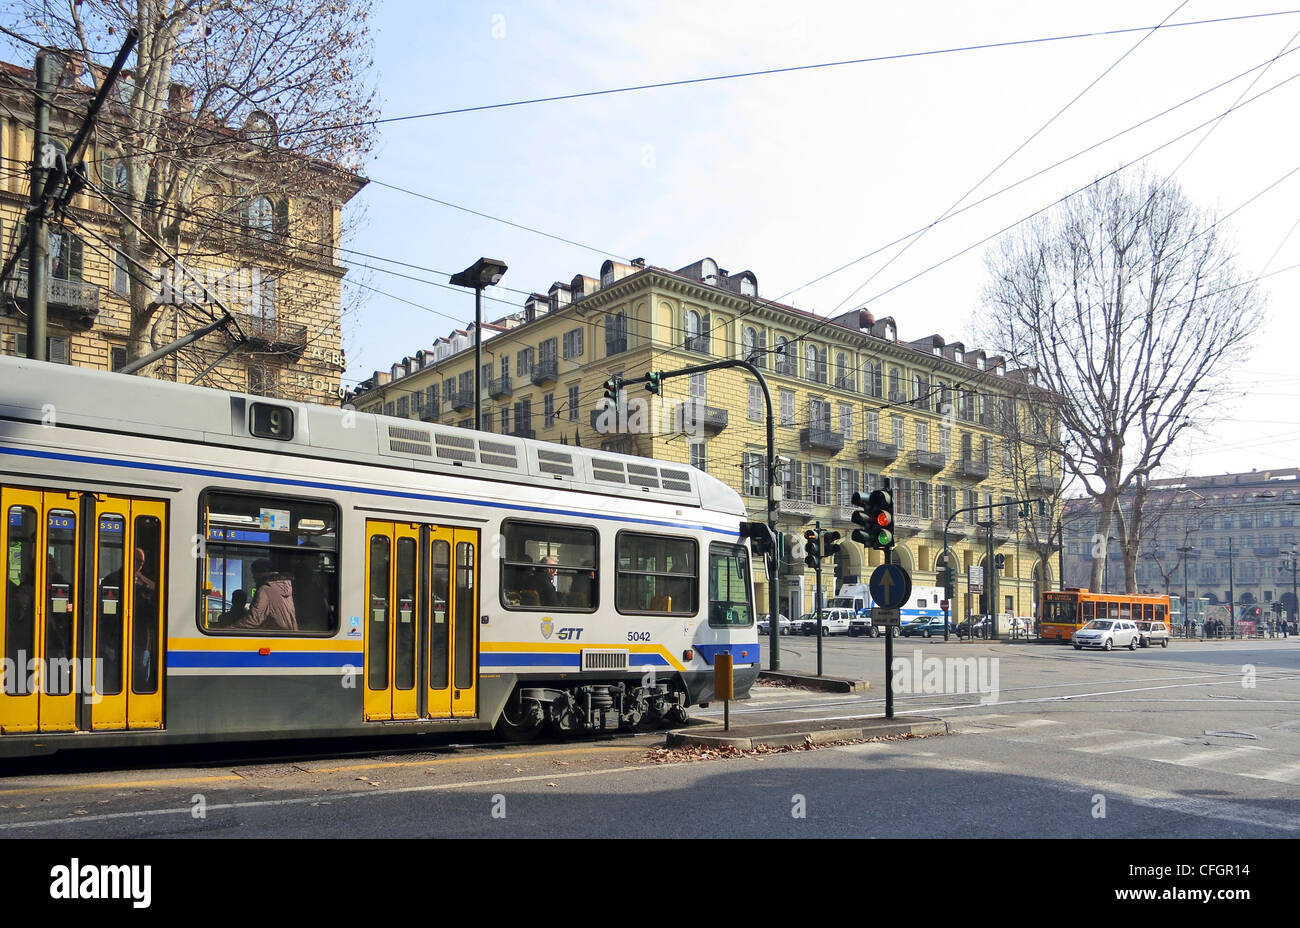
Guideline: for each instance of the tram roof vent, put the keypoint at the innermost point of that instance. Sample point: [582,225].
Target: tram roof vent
[405,440]
[559,463]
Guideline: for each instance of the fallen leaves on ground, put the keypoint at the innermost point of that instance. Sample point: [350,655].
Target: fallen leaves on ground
[696,752]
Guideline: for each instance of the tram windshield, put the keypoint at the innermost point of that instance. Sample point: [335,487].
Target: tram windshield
[729,586]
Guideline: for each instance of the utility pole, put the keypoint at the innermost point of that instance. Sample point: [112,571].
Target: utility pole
[38,262]
[1232,605]
[1185,551]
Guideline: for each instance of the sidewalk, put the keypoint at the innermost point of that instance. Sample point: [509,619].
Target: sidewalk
[780,734]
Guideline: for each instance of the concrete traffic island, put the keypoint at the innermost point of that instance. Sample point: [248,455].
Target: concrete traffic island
[782,734]
[813,682]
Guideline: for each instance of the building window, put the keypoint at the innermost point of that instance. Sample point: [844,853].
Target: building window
[699,459]
[817,480]
[923,436]
[787,407]
[257,216]
[819,415]
[873,425]
[573,402]
[524,362]
[616,332]
[548,410]
[899,433]
[846,421]
[404,407]
[753,346]
[573,344]
[121,275]
[752,476]
[787,362]
[698,384]
[755,407]
[875,379]
[697,332]
[846,480]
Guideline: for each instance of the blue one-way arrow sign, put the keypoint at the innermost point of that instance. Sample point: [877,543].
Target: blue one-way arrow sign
[890,586]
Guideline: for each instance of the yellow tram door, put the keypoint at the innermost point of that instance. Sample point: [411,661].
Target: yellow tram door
[127,619]
[393,610]
[453,625]
[40,672]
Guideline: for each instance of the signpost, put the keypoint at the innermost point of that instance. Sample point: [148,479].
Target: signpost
[890,587]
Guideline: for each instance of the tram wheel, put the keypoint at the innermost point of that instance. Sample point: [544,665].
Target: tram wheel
[514,724]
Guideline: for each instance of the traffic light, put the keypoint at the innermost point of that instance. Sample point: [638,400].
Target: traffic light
[876,516]
[812,551]
[654,382]
[761,540]
[830,544]
[999,561]
[612,386]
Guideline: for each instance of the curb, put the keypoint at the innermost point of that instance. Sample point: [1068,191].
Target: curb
[871,728]
[813,682]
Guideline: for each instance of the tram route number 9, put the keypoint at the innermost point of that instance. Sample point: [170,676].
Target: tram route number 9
[272,422]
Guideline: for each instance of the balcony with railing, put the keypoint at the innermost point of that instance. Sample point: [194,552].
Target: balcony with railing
[931,461]
[819,439]
[971,469]
[794,508]
[545,371]
[1043,483]
[690,416]
[431,411]
[522,430]
[460,400]
[73,302]
[271,334]
[499,388]
[908,524]
[869,449]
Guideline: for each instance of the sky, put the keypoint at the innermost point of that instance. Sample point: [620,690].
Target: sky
[795,175]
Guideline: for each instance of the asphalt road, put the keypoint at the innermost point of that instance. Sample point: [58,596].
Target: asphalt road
[1199,740]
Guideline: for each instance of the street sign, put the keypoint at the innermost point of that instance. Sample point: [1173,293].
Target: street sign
[975,578]
[884,618]
[890,586]
[943,604]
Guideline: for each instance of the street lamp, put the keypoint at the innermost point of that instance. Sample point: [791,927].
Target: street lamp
[485,272]
[1185,551]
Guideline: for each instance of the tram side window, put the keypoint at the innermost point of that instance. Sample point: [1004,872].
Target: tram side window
[1088,609]
[657,575]
[270,565]
[729,586]
[549,567]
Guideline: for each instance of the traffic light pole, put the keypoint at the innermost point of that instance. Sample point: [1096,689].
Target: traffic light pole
[773,564]
[817,599]
[951,589]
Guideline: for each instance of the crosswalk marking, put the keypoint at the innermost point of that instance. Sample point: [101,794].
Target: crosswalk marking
[1193,751]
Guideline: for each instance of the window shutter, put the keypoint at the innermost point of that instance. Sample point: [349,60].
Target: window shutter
[74,257]
[282,217]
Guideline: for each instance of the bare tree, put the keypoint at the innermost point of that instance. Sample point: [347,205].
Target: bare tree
[1128,303]
[230,110]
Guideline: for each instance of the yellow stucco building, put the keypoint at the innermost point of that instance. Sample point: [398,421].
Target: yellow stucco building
[852,403]
[271,259]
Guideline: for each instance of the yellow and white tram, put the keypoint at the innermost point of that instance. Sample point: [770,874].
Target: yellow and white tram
[187,565]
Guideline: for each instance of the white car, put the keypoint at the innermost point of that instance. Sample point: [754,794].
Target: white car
[834,622]
[782,625]
[1108,634]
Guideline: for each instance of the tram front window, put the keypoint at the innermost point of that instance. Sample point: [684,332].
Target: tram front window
[729,587]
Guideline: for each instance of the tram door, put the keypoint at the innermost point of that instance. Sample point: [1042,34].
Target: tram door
[127,632]
[421,639]
[61,642]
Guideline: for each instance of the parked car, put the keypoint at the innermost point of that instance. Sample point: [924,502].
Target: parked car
[834,622]
[1151,632]
[1107,634]
[866,625]
[765,624]
[925,628]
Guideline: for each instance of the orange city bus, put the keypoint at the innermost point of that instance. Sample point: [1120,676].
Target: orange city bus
[1064,613]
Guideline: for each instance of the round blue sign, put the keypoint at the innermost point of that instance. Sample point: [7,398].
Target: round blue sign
[890,586]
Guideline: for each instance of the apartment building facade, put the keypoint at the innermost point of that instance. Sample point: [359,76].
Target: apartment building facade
[271,259]
[853,403]
[1226,537]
